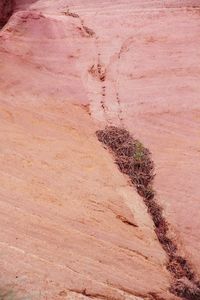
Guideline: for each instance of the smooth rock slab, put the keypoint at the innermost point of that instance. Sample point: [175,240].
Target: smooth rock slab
[66,238]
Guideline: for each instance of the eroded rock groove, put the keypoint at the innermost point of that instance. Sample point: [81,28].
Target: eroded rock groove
[134,160]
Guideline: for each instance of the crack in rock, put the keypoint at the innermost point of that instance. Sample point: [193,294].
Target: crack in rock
[126,221]
[134,160]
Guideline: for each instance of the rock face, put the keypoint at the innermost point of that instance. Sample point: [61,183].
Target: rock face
[72,225]
[6,9]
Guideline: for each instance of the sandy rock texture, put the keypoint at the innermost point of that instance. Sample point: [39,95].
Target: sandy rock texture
[70,221]
[72,227]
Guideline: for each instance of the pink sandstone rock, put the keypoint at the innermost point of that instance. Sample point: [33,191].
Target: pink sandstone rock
[68,68]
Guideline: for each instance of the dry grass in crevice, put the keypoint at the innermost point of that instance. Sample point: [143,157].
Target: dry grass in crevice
[134,160]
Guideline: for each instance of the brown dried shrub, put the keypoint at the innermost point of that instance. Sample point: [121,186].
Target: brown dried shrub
[132,157]
[179,267]
[134,160]
[113,137]
[185,289]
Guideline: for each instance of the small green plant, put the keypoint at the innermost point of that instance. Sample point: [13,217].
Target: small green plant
[132,158]
[139,153]
[7,295]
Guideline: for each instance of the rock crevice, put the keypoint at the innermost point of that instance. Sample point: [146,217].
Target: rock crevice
[134,160]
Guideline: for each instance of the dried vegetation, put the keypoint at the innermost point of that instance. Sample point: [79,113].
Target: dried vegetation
[134,160]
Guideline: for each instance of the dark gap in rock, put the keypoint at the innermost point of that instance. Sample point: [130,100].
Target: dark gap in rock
[6,10]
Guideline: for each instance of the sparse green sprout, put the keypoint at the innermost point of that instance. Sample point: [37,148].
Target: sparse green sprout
[139,151]
[7,295]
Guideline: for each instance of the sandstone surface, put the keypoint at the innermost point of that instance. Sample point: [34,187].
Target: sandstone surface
[72,226]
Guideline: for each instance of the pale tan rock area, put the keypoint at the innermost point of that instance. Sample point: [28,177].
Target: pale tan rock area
[72,226]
